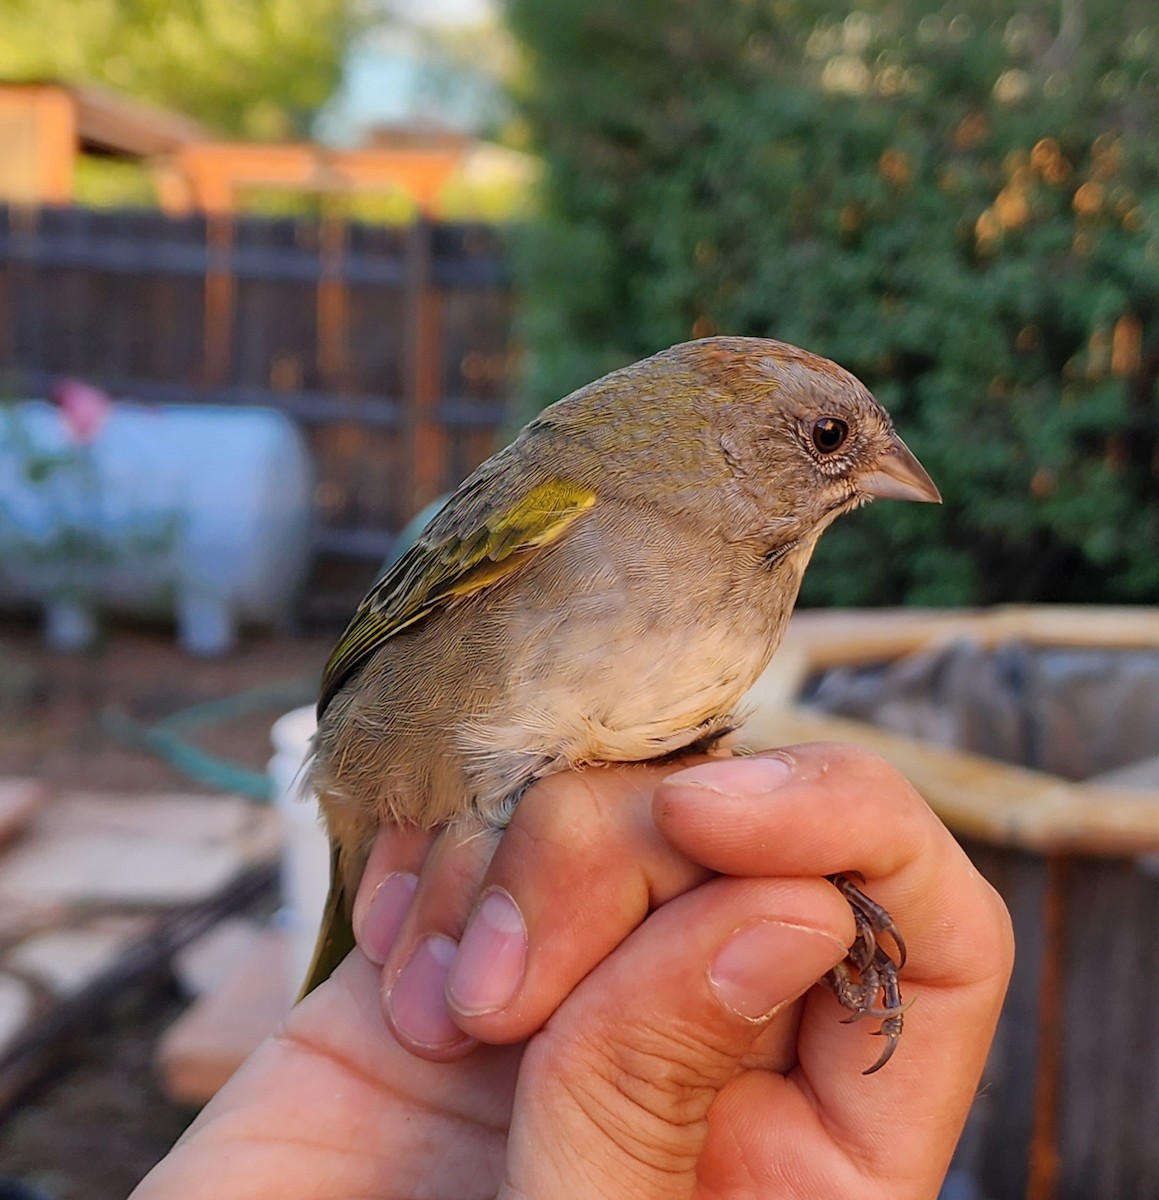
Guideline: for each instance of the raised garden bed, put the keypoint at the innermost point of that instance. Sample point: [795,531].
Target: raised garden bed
[1070,1102]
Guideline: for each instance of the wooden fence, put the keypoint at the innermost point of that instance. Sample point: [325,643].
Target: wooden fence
[389,345]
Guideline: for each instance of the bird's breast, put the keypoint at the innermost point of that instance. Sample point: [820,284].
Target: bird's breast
[627,648]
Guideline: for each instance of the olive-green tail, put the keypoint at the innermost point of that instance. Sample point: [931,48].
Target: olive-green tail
[336,935]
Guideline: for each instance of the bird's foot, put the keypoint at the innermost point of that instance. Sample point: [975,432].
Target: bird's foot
[868,972]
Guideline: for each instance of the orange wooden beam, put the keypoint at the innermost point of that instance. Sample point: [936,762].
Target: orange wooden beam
[36,166]
[216,171]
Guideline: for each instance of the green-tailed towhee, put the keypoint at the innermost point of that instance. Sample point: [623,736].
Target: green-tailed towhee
[605,589]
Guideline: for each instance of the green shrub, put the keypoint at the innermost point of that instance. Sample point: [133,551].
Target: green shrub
[960,206]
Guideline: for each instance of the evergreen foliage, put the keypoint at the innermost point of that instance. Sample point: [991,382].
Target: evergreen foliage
[254,68]
[960,205]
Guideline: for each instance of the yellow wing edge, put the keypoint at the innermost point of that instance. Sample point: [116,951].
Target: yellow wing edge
[451,569]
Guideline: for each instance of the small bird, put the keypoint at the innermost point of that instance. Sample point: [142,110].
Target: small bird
[604,589]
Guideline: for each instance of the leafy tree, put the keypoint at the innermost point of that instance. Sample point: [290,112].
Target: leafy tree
[256,68]
[961,205]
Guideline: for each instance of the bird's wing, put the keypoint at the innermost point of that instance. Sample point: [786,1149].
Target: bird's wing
[473,542]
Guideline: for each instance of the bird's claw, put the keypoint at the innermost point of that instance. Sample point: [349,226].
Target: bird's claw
[869,913]
[869,972]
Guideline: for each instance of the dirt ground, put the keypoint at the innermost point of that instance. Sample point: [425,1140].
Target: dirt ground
[51,705]
[96,1126]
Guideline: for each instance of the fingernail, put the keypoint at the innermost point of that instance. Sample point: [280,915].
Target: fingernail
[384,915]
[417,1002]
[763,966]
[488,969]
[735,776]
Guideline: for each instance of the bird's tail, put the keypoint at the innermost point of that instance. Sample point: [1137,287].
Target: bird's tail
[336,935]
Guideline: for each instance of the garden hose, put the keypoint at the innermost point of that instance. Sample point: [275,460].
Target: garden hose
[166,739]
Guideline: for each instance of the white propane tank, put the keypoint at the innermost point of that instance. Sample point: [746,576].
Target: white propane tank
[201,512]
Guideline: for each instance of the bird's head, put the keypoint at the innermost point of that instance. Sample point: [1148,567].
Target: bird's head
[803,438]
[764,442]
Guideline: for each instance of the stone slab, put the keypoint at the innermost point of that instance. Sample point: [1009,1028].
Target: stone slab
[75,869]
[165,815]
[152,851]
[21,918]
[66,960]
[217,1033]
[20,800]
[206,963]
[17,1005]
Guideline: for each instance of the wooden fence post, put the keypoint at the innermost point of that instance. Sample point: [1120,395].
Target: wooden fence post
[19,290]
[1045,1160]
[426,445]
[333,301]
[219,298]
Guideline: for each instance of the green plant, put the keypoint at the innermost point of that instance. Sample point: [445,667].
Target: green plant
[959,204]
[259,69]
[60,531]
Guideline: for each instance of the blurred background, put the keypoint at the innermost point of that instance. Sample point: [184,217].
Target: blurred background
[276,274]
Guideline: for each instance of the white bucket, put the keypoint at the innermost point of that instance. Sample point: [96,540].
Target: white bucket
[305,849]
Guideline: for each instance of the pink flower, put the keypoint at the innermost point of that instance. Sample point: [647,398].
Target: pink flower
[84,408]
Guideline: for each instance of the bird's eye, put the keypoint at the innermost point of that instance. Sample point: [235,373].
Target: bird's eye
[829,435]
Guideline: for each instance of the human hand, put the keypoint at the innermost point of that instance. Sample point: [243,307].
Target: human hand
[679,1056]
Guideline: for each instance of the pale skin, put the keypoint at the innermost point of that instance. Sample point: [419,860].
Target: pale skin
[663,1038]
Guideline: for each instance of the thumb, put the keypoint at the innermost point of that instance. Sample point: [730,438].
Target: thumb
[614,1091]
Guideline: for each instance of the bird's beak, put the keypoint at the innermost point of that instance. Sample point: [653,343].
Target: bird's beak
[899,476]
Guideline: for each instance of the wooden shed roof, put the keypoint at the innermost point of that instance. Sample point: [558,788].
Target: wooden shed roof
[109,123]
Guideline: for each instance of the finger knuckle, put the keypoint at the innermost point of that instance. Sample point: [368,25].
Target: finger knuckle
[857,764]
[1001,926]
